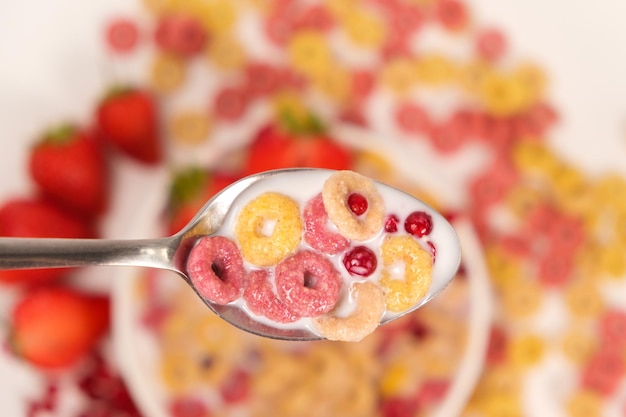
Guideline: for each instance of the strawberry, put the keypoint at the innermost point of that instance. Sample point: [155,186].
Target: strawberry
[287,145]
[69,166]
[54,327]
[190,190]
[127,119]
[38,218]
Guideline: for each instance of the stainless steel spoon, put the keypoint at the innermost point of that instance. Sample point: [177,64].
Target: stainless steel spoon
[171,253]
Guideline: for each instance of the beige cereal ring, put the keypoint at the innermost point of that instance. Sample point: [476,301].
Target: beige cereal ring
[402,294]
[370,300]
[267,248]
[335,192]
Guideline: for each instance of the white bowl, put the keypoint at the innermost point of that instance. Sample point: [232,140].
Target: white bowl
[136,351]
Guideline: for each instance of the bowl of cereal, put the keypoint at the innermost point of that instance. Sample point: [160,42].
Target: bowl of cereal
[178,355]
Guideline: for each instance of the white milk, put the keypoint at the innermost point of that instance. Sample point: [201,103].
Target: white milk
[302,186]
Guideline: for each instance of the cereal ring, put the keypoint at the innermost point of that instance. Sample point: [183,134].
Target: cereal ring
[190,127]
[167,73]
[216,269]
[335,193]
[370,300]
[316,232]
[308,283]
[402,294]
[262,300]
[262,247]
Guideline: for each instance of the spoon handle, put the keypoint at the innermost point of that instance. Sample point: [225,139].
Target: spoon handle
[31,253]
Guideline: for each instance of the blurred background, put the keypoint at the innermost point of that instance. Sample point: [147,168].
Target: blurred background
[508,115]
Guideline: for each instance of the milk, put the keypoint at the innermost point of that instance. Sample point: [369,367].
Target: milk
[302,186]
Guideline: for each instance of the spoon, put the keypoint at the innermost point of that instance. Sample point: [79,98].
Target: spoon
[171,253]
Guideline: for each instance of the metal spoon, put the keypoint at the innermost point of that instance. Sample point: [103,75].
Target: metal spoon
[171,253]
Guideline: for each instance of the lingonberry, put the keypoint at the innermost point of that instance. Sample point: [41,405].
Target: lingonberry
[391,223]
[418,223]
[357,203]
[360,261]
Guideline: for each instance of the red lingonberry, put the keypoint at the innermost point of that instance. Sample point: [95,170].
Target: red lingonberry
[357,203]
[391,223]
[418,223]
[360,261]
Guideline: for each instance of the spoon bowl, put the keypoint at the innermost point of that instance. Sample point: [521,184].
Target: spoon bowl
[171,253]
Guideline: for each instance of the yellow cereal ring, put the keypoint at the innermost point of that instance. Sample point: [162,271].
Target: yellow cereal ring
[532,79]
[167,73]
[226,53]
[583,299]
[578,345]
[190,127]
[522,300]
[401,294]
[364,319]
[435,69]
[364,29]
[399,75]
[218,16]
[266,248]
[309,53]
[611,260]
[527,350]
[502,95]
[178,370]
[585,403]
[334,83]
[337,190]
[393,380]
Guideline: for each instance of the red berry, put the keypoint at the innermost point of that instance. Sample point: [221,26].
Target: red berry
[128,119]
[418,223]
[357,203]
[69,166]
[360,261]
[52,328]
[391,223]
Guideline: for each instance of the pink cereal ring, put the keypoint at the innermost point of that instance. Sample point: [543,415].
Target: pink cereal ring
[308,283]
[261,299]
[316,231]
[216,269]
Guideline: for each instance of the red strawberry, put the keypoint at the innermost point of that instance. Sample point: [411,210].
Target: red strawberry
[55,327]
[127,118]
[285,145]
[190,190]
[38,218]
[69,166]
